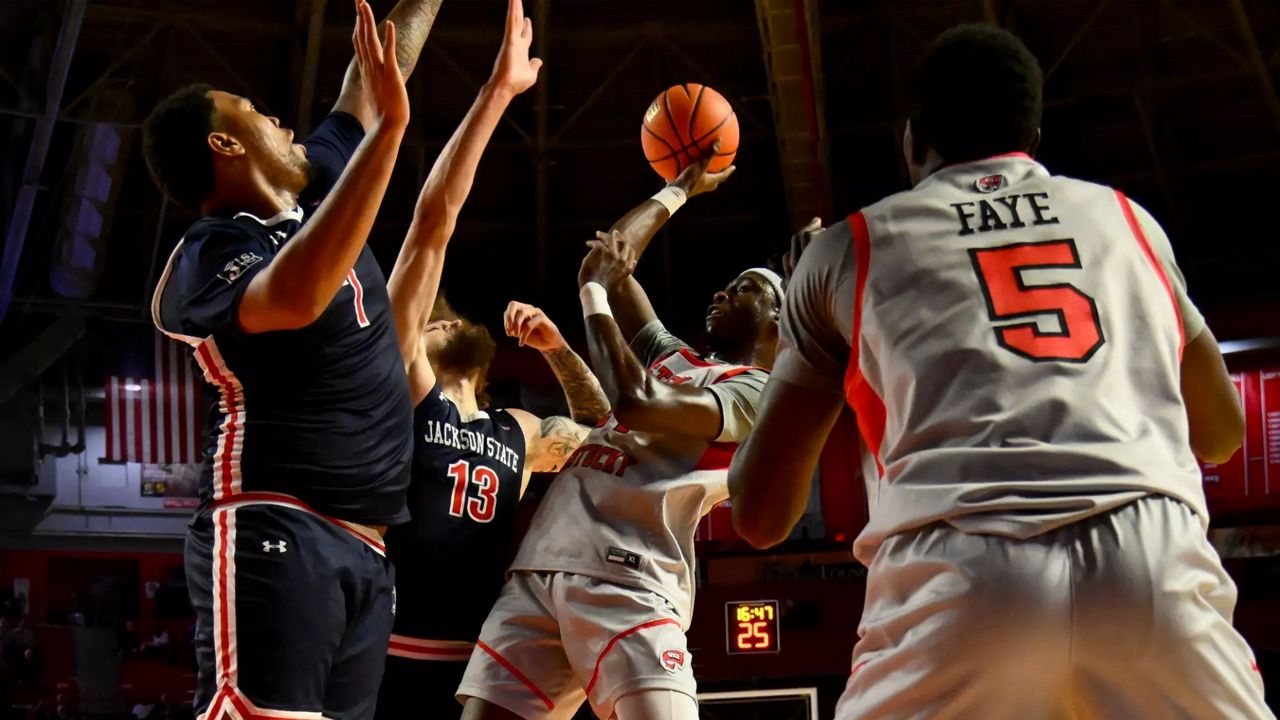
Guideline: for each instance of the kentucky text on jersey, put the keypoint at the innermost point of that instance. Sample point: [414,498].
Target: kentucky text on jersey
[602,458]
[460,438]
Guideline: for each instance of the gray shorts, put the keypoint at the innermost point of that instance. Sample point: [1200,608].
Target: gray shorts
[554,640]
[1124,615]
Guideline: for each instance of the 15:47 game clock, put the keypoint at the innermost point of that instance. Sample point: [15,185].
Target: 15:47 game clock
[751,627]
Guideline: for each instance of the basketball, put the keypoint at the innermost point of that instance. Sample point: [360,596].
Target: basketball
[680,126]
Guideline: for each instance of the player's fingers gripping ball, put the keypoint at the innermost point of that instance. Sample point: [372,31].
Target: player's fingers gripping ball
[680,126]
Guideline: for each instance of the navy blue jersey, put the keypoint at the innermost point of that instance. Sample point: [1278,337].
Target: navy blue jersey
[321,413]
[451,558]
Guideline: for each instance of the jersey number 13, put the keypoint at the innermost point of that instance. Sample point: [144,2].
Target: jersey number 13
[482,507]
[1008,297]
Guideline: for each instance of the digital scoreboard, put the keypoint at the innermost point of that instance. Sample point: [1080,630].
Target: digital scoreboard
[751,627]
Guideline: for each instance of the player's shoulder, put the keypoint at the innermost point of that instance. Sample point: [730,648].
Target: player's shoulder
[435,405]
[215,236]
[741,373]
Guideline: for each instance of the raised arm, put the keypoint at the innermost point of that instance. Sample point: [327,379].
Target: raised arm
[639,400]
[413,20]
[306,274]
[630,304]
[528,324]
[415,279]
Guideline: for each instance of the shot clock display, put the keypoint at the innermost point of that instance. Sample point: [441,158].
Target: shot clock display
[751,627]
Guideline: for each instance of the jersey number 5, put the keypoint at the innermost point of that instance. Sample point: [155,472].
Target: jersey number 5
[480,508]
[1000,270]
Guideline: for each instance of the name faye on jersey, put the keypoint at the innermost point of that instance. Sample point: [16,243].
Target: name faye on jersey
[449,435]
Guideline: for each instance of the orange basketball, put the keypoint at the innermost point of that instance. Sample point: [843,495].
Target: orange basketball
[681,124]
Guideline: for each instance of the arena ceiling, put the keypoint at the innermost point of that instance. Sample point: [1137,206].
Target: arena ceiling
[1174,101]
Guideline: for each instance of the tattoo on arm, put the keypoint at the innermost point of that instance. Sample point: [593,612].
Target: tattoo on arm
[587,401]
[558,437]
[413,19]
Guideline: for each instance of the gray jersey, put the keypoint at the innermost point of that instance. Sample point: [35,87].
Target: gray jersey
[626,505]
[1011,342]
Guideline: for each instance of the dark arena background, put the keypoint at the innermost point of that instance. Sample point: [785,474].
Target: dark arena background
[1177,102]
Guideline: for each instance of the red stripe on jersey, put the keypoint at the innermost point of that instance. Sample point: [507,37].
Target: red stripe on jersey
[717,456]
[864,401]
[694,359]
[518,675]
[1141,237]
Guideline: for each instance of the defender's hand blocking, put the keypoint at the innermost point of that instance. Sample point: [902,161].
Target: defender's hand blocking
[799,241]
[514,71]
[532,327]
[609,261]
[379,70]
[695,180]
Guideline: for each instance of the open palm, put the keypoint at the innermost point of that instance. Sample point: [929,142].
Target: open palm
[514,70]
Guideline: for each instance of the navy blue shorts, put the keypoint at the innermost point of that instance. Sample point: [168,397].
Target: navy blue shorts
[293,612]
[417,687]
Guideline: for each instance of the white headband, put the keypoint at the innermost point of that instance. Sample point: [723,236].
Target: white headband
[771,277]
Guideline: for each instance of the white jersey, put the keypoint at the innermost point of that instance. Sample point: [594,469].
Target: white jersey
[626,505]
[1011,342]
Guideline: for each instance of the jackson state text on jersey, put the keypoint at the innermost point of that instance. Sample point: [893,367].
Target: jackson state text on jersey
[467,474]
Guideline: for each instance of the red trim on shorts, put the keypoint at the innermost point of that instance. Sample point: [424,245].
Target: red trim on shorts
[866,404]
[226,667]
[1141,237]
[652,623]
[361,533]
[518,675]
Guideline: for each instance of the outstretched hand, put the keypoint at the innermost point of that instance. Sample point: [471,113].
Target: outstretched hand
[609,261]
[531,327]
[799,241]
[695,179]
[379,70]
[514,71]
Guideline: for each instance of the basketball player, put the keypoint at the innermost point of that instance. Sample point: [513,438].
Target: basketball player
[1031,382]
[601,590]
[287,313]
[470,466]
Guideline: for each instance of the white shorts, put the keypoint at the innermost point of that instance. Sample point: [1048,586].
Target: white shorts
[555,639]
[1124,615]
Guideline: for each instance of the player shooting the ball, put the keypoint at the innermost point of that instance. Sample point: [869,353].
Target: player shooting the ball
[601,590]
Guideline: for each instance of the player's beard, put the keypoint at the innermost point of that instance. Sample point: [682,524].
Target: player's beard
[470,349]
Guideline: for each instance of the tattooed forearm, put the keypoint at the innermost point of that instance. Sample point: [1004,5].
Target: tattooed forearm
[413,19]
[558,438]
[587,401]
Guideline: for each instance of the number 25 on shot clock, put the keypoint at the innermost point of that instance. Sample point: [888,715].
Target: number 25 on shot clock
[751,627]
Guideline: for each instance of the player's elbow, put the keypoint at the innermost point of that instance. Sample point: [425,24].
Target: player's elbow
[757,527]
[633,408]
[263,312]
[1217,442]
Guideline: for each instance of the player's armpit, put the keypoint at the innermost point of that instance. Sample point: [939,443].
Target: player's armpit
[1214,414]
[557,438]
[772,471]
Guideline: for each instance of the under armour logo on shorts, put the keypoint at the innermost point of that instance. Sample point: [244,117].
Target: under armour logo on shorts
[279,546]
[673,660]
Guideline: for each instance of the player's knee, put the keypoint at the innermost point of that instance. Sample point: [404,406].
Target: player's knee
[656,705]
[477,709]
